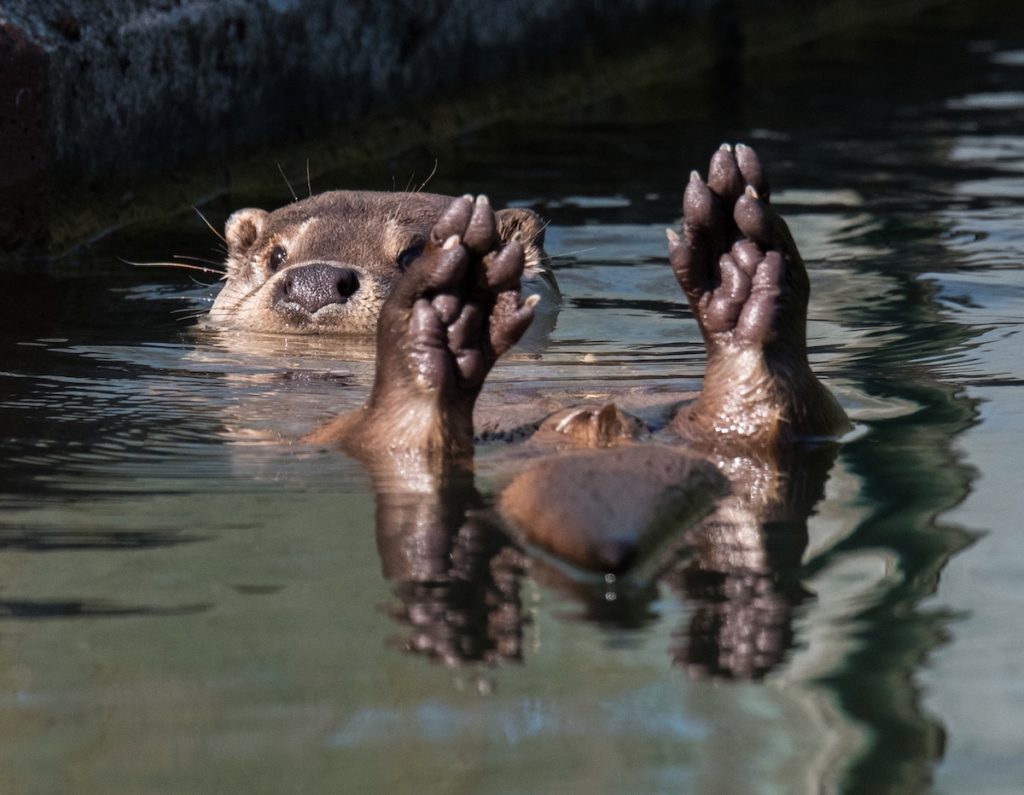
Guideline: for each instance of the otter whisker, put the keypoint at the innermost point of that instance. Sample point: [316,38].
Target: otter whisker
[309,181]
[410,190]
[194,316]
[430,176]
[571,254]
[211,262]
[209,225]
[291,190]
[185,266]
[402,197]
[189,311]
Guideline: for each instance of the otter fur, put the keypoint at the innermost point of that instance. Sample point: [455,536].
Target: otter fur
[440,282]
[326,264]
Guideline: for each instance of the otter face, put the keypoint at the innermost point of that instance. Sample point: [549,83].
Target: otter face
[326,264]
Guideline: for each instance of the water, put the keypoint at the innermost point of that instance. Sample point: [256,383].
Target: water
[189,602]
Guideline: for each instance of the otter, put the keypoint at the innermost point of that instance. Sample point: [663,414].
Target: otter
[326,264]
[440,280]
[734,457]
[707,497]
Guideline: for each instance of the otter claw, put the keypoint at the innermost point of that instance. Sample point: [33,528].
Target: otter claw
[481,234]
[750,167]
[453,220]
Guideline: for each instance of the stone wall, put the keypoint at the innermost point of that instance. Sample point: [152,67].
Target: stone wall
[99,91]
[115,110]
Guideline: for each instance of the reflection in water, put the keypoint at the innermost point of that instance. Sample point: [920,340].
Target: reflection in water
[188,611]
[457,573]
[911,474]
[744,574]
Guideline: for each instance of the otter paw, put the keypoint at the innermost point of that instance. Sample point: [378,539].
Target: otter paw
[457,308]
[735,259]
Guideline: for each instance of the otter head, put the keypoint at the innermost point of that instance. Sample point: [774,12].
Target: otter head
[327,263]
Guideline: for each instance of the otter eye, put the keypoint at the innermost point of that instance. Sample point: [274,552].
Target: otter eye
[278,257]
[407,257]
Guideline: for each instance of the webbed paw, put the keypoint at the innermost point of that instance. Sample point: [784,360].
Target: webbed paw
[748,289]
[736,260]
[456,309]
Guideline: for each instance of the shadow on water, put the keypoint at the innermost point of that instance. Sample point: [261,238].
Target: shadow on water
[34,611]
[456,574]
[457,569]
[35,540]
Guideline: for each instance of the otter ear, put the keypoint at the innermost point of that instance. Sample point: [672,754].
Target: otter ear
[526,223]
[242,229]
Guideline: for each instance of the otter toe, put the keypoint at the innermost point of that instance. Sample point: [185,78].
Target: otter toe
[453,220]
[481,231]
[724,175]
[753,173]
[456,309]
[735,259]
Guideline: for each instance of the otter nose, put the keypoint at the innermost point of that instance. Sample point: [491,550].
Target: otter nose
[318,284]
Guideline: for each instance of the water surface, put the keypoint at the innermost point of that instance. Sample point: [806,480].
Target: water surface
[190,602]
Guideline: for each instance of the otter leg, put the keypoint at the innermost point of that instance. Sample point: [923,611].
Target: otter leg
[748,289]
[449,318]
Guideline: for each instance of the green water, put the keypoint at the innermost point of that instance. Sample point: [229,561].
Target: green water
[191,603]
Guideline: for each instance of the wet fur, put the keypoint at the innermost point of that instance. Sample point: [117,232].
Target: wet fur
[457,309]
[362,231]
